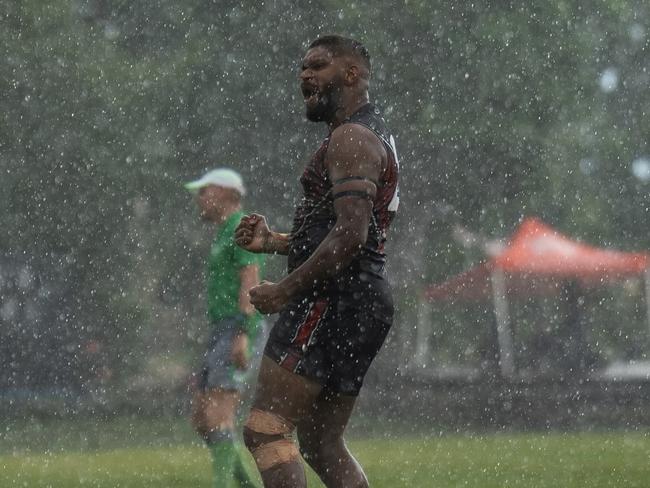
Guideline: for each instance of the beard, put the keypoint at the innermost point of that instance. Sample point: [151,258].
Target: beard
[327,105]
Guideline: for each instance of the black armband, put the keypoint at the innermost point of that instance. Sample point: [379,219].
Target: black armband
[355,178]
[352,193]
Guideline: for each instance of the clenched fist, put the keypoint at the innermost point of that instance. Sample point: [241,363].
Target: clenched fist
[252,233]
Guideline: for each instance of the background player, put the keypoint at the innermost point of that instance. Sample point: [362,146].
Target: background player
[235,326]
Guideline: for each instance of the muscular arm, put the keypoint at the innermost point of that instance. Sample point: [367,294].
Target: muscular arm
[276,243]
[354,161]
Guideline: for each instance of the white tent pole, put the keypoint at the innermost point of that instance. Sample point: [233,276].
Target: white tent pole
[422,334]
[504,334]
[407,337]
[646,279]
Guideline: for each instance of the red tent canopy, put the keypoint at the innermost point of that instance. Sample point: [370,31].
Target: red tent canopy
[537,255]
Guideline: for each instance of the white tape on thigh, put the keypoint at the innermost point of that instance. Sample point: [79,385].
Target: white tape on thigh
[277,452]
[268,423]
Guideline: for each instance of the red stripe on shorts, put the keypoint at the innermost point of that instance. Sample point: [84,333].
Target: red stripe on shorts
[311,321]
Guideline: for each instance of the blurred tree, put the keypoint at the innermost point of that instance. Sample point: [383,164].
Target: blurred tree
[64,192]
[500,110]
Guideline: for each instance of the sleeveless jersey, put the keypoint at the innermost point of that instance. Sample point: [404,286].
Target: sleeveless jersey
[314,216]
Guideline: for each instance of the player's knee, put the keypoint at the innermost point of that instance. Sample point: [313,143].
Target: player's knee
[267,437]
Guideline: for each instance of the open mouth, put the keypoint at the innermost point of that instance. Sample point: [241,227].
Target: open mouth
[310,93]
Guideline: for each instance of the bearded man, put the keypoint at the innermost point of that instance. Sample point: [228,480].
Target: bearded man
[335,306]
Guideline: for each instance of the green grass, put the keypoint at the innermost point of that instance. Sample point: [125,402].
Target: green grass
[36,435]
[489,461]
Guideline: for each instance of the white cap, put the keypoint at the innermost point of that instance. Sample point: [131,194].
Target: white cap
[224,177]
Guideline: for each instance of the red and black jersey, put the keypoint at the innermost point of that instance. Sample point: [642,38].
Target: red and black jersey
[315,217]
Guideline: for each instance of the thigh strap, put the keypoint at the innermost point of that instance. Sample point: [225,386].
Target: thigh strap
[268,423]
[277,452]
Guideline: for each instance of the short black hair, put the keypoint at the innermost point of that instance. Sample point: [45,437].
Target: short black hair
[342,46]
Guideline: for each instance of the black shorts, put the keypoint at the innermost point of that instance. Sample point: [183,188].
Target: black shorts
[332,338]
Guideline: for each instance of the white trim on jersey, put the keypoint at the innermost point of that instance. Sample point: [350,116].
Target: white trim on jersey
[394,203]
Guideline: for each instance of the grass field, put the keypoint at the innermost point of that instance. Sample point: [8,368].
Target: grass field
[177,461]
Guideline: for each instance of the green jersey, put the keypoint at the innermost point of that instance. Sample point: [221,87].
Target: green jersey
[224,266]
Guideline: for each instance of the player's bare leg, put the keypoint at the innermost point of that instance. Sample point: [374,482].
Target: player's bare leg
[214,410]
[213,417]
[282,400]
[321,442]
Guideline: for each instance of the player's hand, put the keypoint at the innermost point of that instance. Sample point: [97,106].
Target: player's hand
[252,233]
[268,297]
[239,353]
